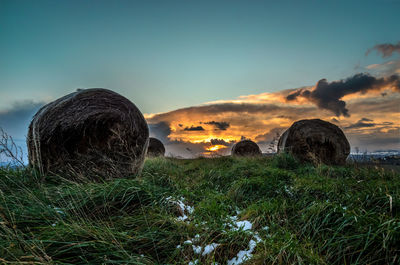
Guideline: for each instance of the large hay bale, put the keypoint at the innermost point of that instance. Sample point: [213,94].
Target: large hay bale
[156,147]
[246,148]
[91,133]
[315,141]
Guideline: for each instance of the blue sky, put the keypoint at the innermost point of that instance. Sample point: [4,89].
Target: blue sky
[165,55]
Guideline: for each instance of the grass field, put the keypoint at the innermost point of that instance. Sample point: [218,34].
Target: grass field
[269,210]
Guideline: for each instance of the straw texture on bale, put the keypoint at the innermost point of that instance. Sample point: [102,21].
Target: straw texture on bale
[246,148]
[156,147]
[315,141]
[92,133]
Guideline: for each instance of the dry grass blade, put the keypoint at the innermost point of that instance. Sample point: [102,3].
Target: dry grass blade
[10,150]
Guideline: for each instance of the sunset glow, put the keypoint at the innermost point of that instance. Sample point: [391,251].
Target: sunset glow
[205,129]
[215,147]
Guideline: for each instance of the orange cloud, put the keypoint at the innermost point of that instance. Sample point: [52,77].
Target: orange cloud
[261,116]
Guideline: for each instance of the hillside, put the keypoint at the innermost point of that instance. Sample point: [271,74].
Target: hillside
[224,210]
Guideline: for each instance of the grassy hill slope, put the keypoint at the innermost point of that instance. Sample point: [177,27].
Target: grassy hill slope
[204,211]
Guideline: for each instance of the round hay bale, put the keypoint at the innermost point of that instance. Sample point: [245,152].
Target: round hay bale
[90,133]
[315,141]
[156,147]
[246,148]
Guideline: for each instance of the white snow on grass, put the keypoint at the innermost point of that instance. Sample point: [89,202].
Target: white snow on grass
[182,218]
[183,210]
[242,225]
[206,250]
[288,190]
[233,218]
[209,248]
[182,207]
[197,249]
[238,225]
[232,223]
[245,255]
[185,207]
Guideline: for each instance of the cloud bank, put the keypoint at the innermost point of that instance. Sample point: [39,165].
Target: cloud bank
[371,101]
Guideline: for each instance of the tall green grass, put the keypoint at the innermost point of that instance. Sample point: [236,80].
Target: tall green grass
[303,214]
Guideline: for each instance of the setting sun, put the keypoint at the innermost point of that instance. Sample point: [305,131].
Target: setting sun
[214,148]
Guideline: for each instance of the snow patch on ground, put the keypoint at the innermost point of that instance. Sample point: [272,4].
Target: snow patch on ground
[232,224]
[209,248]
[184,209]
[242,225]
[197,249]
[288,190]
[244,255]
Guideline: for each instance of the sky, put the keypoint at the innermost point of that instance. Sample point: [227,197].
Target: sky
[208,73]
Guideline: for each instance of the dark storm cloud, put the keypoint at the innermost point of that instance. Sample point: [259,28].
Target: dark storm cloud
[220,142]
[15,121]
[328,95]
[386,49]
[194,128]
[219,125]
[366,119]
[363,123]
[294,95]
